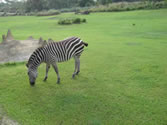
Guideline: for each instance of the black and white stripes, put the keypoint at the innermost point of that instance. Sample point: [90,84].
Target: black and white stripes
[57,52]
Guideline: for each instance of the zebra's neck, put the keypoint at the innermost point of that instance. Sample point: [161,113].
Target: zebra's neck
[36,58]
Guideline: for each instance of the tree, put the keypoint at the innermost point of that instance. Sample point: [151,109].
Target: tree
[36,5]
[13,6]
[104,2]
[83,3]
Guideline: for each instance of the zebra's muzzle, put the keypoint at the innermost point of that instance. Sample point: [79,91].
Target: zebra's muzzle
[32,83]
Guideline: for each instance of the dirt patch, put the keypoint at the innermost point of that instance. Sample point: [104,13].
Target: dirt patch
[17,51]
[4,120]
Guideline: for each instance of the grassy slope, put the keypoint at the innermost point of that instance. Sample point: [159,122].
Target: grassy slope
[123,72]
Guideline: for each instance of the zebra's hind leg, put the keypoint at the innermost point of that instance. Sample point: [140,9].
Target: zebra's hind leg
[75,70]
[77,66]
[57,72]
[78,69]
[47,70]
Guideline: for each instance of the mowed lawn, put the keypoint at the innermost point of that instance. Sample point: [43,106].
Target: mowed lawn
[123,78]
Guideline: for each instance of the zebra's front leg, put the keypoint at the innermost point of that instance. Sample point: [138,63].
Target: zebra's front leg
[57,72]
[47,70]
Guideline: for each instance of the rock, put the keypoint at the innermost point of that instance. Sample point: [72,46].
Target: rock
[3,38]
[30,38]
[9,35]
[40,40]
[18,50]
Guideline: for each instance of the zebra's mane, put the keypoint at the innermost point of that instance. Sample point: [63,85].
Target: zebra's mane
[34,54]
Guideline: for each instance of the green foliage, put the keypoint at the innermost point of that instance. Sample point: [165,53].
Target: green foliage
[35,5]
[13,7]
[73,9]
[48,13]
[65,22]
[104,2]
[127,6]
[42,6]
[84,20]
[71,21]
[38,5]
[83,3]
[77,20]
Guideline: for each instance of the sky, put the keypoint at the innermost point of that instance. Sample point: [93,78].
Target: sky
[3,1]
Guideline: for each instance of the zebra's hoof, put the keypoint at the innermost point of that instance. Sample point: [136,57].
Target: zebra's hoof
[58,81]
[45,79]
[77,72]
[73,76]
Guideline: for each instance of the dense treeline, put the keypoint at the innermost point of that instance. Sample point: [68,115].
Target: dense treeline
[38,5]
[27,6]
[13,6]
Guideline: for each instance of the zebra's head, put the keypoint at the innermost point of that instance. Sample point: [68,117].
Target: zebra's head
[32,74]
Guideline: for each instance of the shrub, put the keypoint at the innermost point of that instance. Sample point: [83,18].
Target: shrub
[127,6]
[30,14]
[76,21]
[2,13]
[71,21]
[11,14]
[84,20]
[85,12]
[76,9]
[48,13]
[7,14]
[65,22]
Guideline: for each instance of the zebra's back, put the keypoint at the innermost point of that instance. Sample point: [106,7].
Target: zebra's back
[65,49]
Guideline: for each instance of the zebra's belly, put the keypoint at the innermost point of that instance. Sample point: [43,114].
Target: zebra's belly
[59,60]
[62,60]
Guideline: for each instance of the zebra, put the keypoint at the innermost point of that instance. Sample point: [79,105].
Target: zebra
[54,52]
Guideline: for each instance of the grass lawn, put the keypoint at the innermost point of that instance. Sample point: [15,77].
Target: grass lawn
[123,78]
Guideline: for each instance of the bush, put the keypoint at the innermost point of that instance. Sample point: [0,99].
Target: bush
[11,14]
[30,14]
[65,22]
[7,14]
[127,6]
[71,21]
[48,13]
[70,9]
[2,13]
[84,20]
[84,12]
[76,21]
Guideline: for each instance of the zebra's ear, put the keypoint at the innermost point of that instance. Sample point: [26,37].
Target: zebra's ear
[45,41]
[27,65]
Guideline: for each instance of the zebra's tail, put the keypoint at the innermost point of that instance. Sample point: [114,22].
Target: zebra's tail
[86,44]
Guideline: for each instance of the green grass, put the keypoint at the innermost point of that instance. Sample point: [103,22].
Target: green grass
[123,72]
